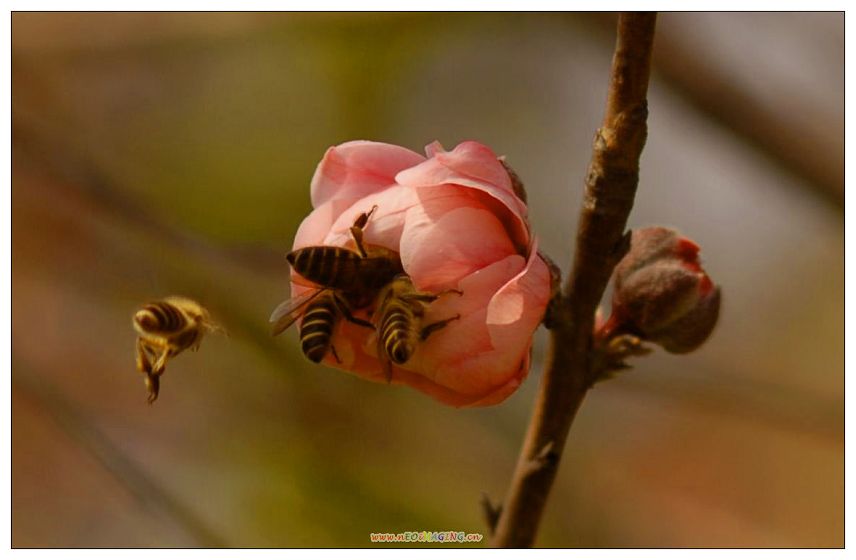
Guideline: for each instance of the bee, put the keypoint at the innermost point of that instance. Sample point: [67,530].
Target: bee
[166,328]
[399,314]
[321,309]
[347,280]
[359,274]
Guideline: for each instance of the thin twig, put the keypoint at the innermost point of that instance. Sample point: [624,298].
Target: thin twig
[601,242]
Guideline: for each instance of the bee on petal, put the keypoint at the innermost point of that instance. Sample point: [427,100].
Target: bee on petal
[401,308]
[359,274]
[321,309]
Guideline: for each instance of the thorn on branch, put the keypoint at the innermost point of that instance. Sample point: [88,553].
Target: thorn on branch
[490,511]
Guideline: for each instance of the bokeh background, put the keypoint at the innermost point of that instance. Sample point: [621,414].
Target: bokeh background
[156,154]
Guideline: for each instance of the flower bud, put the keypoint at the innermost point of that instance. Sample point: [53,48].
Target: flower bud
[662,294]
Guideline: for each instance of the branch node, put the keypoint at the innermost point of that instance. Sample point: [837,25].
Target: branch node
[555,307]
[609,356]
[547,458]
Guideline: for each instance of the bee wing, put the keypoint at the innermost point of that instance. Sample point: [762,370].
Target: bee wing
[287,312]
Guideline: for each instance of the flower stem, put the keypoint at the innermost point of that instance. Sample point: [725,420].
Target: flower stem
[601,242]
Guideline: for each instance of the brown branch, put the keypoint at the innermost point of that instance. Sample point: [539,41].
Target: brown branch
[601,242]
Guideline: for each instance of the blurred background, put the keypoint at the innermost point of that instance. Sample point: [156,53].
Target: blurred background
[156,154]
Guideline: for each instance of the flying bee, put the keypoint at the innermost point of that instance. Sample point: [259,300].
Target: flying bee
[359,274]
[321,309]
[400,311]
[166,328]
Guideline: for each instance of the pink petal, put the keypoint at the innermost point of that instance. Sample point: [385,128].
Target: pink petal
[357,348]
[474,166]
[486,396]
[519,306]
[505,390]
[439,249]
[385,225]
[434,148]
[477,161]
[444,346]
[316,226]
[461,356]
[513,314]
[368,367]
[455,373]
[359,168]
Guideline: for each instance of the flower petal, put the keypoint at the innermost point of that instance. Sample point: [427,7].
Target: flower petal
[438,248]
[518,307]
[366,367]
[477,161]
[474,166]
[442,356]
[511,317]
[359,168]
[316,226]
[385,225]
[435,366]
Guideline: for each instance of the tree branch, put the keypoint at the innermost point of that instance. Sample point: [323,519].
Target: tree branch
[601,242]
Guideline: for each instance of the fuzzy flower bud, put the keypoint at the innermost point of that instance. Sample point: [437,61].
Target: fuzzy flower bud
[662,294]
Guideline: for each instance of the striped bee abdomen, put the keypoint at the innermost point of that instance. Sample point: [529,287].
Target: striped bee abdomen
[316,329]
[160,317]
[332,267]
[398,333]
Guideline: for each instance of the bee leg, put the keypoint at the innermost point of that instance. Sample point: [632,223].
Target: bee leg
[153,387]
[450,291]
[357,234]
[427,330]
[197,341]
[427,297]
[363,219]
[160,362]
[357,230]
[144,364]
[335,355]
[421,297]
[345,309]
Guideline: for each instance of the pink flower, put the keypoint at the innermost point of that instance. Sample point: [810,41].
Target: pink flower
[455,221]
